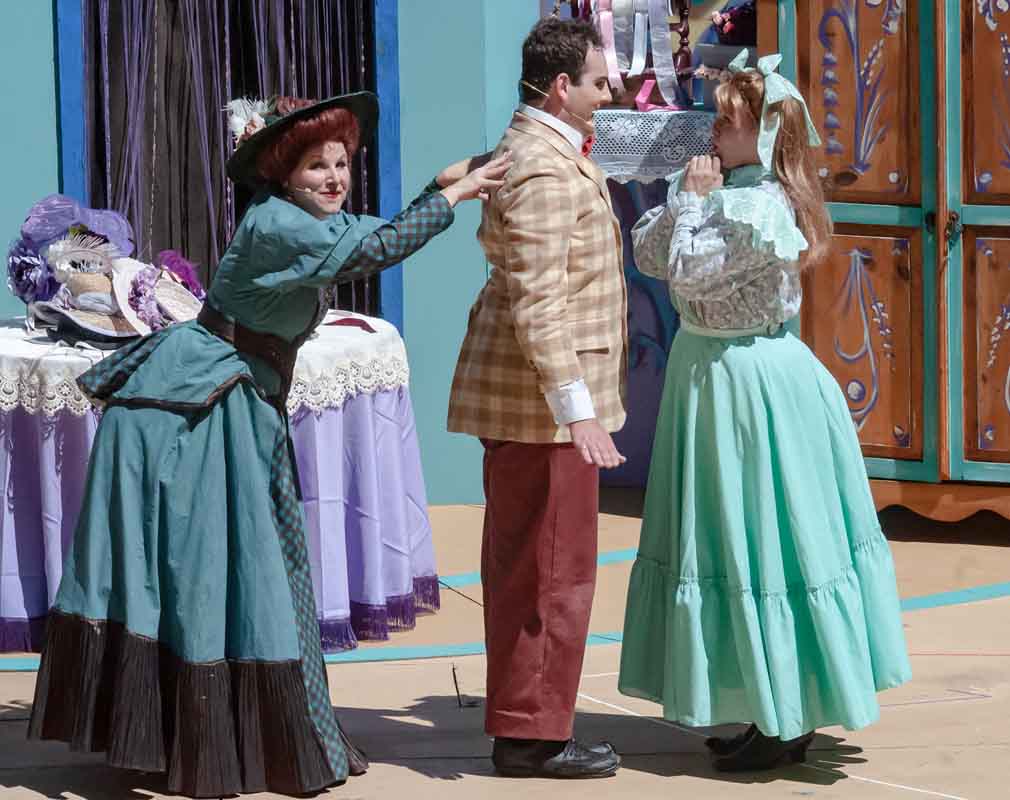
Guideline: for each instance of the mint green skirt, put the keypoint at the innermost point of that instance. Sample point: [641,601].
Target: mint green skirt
[764,589]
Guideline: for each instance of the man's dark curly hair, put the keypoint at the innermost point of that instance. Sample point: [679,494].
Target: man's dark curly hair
[552,47]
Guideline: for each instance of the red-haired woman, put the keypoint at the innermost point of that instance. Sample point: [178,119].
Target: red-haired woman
[184,634]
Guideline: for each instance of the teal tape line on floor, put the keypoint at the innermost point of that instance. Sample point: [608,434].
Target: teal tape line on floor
[991,591]
[367,654]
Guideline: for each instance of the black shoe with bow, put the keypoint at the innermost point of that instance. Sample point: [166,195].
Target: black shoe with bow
[535,758]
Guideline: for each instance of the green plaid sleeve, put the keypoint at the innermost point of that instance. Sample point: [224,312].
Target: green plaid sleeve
[406,233]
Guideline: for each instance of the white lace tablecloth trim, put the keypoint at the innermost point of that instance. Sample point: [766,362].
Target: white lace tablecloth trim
[338,362]
[649,145]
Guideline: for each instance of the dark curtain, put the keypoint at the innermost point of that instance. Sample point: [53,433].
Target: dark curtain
[159,73]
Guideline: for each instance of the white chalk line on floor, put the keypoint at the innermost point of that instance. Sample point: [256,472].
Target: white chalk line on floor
[969,694]
[886,783]
[667,723]
[655,720]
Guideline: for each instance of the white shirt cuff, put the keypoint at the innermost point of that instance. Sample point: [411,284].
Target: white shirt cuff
[571,403]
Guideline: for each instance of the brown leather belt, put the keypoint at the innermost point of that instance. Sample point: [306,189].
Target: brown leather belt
[278,353]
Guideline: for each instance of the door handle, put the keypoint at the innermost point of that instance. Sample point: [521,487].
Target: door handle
[952,232]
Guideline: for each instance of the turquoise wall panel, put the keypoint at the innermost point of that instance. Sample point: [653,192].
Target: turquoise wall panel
[459,66]
[28,142]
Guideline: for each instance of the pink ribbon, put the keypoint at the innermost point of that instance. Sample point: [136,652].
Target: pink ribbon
[642,99]
[605,23]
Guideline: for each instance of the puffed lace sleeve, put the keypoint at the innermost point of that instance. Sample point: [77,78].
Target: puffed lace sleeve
[728,239]
[650,238]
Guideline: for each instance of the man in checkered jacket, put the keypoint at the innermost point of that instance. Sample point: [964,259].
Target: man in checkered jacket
[540,380]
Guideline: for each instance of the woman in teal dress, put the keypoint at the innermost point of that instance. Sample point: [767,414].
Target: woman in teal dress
[184,635]
[764,589]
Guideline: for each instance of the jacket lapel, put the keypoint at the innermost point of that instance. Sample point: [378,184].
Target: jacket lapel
[587,167]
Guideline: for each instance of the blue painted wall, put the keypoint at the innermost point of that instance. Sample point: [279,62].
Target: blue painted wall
[459,66]
[28,146]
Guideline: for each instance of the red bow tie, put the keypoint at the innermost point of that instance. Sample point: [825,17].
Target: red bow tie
[587,145]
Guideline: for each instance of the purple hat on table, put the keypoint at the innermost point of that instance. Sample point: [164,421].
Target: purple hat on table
[51,218]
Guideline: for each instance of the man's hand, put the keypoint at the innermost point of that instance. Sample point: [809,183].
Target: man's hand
[595,444]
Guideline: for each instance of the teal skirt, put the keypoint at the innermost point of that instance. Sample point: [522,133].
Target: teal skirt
[764,589]
[184,637]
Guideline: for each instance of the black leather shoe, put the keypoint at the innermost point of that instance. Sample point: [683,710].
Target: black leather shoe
[762,752]
[534,758]
[724,745]
[601,748]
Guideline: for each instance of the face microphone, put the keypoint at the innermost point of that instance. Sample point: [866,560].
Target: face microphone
[571,113]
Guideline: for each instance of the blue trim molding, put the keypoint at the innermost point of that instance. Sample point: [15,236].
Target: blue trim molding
[71,136]
[387,87]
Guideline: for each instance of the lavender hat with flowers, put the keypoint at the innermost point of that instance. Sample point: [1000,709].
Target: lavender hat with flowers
[30,275]
[71,267]
[52,217]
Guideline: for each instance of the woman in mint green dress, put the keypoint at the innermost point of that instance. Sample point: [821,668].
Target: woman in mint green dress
[184,636]
[764,590]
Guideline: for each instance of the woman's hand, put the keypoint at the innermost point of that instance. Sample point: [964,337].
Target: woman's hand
[481,182]
[703,176]
[448,176]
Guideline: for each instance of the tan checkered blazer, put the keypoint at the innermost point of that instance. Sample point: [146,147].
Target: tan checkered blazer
[554,308]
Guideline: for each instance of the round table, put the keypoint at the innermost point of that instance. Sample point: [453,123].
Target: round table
[367,528]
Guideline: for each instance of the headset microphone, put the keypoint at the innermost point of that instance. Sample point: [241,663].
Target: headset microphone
[541,91]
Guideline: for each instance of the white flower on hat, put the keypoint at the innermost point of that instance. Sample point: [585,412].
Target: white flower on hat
[246,117]
[80,253]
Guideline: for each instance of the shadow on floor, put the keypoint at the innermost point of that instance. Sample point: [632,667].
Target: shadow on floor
[67,776]
[982,528]
[645,744]
[91,782]
[438,739]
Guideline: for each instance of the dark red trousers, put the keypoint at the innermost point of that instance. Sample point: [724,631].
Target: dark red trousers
[538,568]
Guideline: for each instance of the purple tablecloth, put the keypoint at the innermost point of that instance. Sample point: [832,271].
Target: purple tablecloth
[369,538]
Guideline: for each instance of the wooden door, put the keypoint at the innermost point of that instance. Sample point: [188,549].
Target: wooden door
[869,312]
[978,53]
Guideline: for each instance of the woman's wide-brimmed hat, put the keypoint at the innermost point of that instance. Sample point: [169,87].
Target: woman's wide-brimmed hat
[96,307]
[84,309]
[136,285]
[257,123]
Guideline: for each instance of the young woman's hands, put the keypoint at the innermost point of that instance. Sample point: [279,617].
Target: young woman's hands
[703,176]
